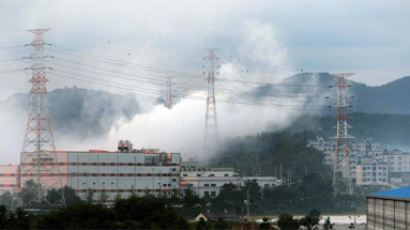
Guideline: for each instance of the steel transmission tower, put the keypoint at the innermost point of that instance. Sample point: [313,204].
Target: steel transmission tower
[341,159]
[38,160]
[168,96]
[211,124]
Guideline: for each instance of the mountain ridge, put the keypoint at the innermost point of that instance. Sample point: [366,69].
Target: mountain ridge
[387,98]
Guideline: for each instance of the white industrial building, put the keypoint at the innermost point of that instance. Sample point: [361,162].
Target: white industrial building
[209,181]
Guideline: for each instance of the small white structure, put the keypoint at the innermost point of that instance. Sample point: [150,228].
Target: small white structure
[200,215]
[209,181]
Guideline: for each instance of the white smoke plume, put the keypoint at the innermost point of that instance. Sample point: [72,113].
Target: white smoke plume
[181,129]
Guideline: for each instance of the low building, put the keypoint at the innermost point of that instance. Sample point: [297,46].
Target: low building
[209,181]
[389,209]
[225,216]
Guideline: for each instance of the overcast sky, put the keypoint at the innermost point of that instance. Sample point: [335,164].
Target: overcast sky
[270,38]
[266,40]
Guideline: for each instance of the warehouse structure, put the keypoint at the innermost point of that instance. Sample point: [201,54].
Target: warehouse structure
[209,181]
[121,173]
[389,209]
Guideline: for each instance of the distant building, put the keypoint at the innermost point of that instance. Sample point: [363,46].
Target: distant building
[399,162]
[372,173]
[209,181]
[370,164]
[389,209]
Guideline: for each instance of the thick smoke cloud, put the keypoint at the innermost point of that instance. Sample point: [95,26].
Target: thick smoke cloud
[181,129]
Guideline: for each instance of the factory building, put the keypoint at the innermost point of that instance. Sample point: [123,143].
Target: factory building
[389,209]
[113,174]
[209,181]
[121,174]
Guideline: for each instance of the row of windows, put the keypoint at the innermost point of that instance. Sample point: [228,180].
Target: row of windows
[212,193]
[374,180]
[212,185]
[101,164]
[374,168]
[199,175]
[369,174]
[112,183]
[99,174]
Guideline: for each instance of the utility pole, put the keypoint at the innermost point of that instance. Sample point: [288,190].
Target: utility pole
[280,172]
[38,159]
[341,164]
[211,124]
[168,96]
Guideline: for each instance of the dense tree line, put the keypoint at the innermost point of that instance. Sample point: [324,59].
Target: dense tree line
[307,182]
[283,154]
[297,198]
[133,213]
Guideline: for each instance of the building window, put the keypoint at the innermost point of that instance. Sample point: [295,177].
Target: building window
[213,193]
[184,175]
[174,180]
[198,175]
[206,193]
[174,169]
[226,175]
[213,185]
[206,185]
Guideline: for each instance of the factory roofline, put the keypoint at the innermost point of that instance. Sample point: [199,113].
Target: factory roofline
[145,151]
[402,193]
